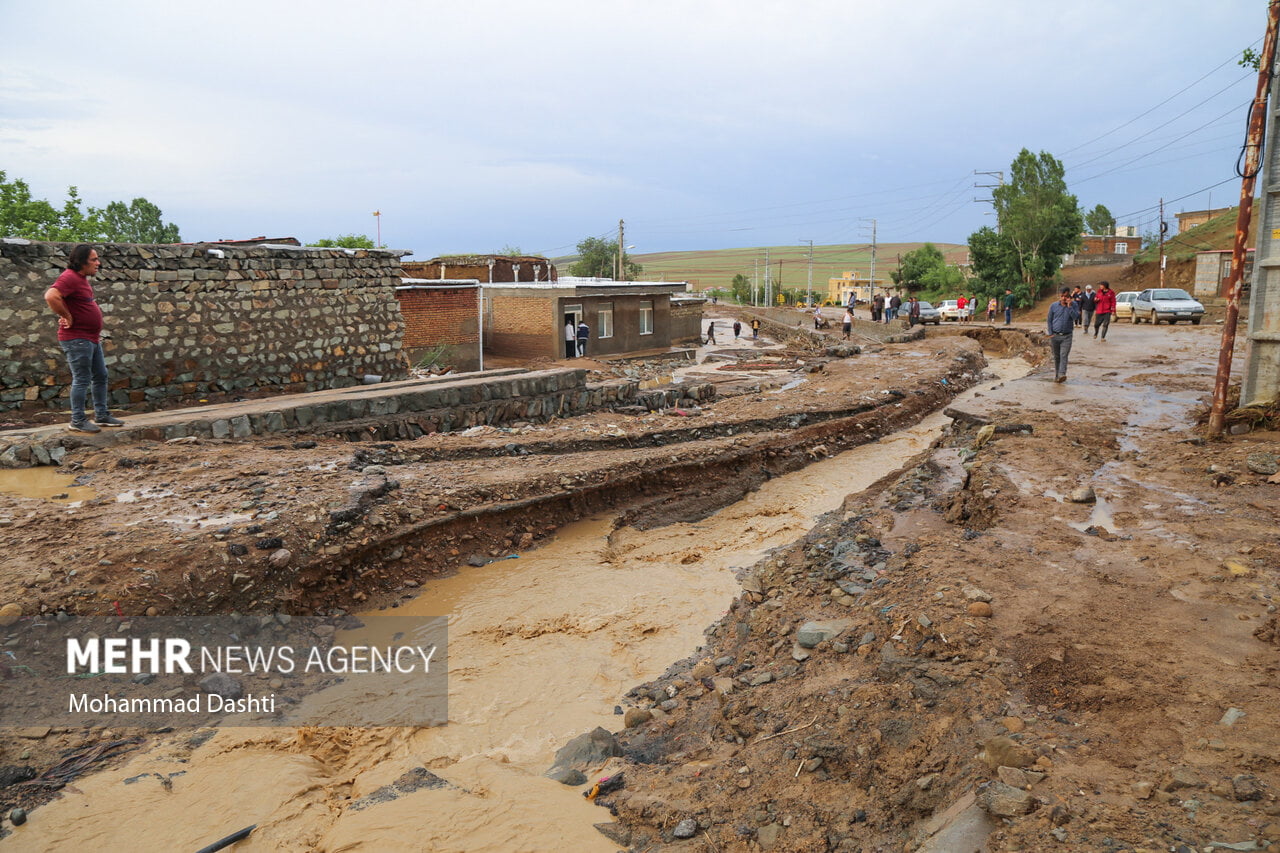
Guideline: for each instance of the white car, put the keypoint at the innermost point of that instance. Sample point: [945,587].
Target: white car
[1124,303]
[1166,303]
[949,309]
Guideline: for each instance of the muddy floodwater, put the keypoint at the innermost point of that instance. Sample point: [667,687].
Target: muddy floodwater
[541,648]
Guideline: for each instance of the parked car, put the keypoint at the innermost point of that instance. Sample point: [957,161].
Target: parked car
[928,314]
[950,310]
[1166,303]
[1124,303]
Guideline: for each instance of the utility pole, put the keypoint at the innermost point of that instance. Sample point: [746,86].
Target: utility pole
[621,243]
[1164,226]
[872,290]
[765,294]
[755,281]
[779,280]
[377,217]
[810,242]
[1262,358]
[999,176]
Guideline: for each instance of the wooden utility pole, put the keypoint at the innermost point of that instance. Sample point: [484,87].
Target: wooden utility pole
[1252,163]
[619,277]
[1164,226]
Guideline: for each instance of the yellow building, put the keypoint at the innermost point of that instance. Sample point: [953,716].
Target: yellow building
[851,284]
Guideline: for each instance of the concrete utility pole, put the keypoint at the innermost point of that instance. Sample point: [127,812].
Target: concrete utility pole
[765,294]
[810,242]
[999,176]
[621,243]
[1262,361]
[377,217]
[872,291]
[755,282]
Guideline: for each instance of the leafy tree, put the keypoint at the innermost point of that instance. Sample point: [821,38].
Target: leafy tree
[36,219]
[511,251]
[599,258]
[995,267]
[345,241]
[917,264]
[1038,217]
[741,289]
[139,222]
[1099,221]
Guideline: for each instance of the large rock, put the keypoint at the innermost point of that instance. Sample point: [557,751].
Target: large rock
[588,750]
[812,633]
[222,684]
[1000,800]
[10,614]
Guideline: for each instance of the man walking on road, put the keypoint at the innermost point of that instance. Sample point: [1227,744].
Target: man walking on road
[1104,310]
[1063,316]
[1008,306]
[1088,304]
[755,329]
[80,336]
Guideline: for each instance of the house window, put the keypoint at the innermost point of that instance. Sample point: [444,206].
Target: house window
[646,317]
[604,320]
[1122,248]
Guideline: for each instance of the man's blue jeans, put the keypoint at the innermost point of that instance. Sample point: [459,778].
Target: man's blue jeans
[88,370]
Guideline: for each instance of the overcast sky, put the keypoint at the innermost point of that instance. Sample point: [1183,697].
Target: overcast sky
[476,125]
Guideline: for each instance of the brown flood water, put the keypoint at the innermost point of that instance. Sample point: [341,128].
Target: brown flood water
[43,483]
[540,650]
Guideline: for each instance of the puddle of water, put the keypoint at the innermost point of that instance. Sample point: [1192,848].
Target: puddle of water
[540,650]
[1101,516]
[43,483]
[143,494]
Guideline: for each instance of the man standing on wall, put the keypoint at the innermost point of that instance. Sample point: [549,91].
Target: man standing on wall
[79,334]
[570,337]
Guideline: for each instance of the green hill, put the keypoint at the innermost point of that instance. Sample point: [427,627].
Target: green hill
[1216,234]
[715,268]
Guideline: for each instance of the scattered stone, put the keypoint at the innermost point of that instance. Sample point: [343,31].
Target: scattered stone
[1012,724]
[1002,751]
[270,543]
[798,654]
[10,614]
[761,678]
[222,684]
[686,828]
[1012,776]
[235,549]
[566,776]
[1263,463]
[1231,717]
[17,816]
[153,611]
[1239,429]
[1143,790]
[615,832]
[276,683]
[280,558]
[1246,788]
[1237,568]
[324,631]
[767,836]
[972,593]
[144,678]
[1000,800]
[980,608]
[477,561]
[588,750]
[812,633]
[1180,778]
[636,717]
[1083,495]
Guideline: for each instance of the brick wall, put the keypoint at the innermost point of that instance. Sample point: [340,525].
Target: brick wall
[185,321]
[523,325]
[686,320]
[441,316]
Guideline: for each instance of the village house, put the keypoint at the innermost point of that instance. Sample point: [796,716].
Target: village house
[527,319]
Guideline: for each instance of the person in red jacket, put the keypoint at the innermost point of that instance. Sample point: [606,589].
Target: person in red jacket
[1104,309]
[79,334]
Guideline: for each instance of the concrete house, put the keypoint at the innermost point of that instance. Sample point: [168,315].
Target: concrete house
[527,319]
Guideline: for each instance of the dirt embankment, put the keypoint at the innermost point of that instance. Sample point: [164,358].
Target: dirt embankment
[1059,637]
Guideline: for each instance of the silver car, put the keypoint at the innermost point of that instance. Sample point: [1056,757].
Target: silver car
[1166,303]
[928,314]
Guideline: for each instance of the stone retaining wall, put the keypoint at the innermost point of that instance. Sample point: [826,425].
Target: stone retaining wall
[191,320]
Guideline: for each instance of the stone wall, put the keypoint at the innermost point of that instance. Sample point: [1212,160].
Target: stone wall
[187,321]
[686,320]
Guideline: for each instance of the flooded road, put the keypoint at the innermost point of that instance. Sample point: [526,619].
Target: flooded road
[541,649]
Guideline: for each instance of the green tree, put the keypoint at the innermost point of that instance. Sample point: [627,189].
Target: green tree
[1099,221]
[139,222]
[599,258]
[345,241]
[917,264]
[1038,217]
[741,289]
[511,251]
[995,266]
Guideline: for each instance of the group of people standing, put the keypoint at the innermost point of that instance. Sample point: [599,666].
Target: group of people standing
[885,308]
[575,338]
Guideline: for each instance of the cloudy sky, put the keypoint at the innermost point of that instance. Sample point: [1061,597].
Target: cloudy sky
[477,125]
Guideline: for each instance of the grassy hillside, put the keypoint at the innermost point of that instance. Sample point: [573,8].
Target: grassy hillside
[716,267]
[1217,233]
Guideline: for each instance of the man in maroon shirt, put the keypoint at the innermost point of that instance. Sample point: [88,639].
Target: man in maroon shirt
[79,335]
